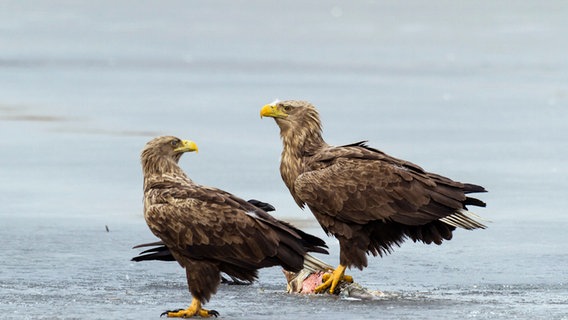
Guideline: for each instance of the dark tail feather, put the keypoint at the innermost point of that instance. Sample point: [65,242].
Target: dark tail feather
[309,242]
[160,252]
[312,243]
[473,202]
[473,188]
[149,244]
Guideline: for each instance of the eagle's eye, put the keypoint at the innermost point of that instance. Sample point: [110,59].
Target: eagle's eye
[175,143]
[287,108]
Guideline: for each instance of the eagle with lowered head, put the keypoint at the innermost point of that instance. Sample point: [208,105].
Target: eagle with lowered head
[369,200]
[209,231]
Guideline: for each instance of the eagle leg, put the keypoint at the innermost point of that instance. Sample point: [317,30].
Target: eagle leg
[194,309]
[346,278]
[331,281]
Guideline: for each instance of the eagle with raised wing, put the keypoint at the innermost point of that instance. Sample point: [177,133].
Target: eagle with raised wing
[368,200]
[209,231]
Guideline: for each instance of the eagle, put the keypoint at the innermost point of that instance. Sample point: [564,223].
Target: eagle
[370,201]
[209,231]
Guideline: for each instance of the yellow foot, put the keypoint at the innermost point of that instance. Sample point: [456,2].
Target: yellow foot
[193,310]
[188,313]
[332,280]
[346,278]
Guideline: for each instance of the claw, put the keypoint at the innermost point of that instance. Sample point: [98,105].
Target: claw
[331,281]
[165,313]
[194,309]
[346,278]
[213,313]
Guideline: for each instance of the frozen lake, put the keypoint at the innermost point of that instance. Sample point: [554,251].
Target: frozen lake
[476,91]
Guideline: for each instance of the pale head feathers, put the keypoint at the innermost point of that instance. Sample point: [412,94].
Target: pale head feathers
[159,156]
[275,102]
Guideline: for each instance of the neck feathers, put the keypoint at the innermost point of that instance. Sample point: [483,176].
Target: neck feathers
[156,167]
[301,140]
[304,134]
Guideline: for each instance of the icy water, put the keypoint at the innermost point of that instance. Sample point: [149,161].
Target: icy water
[476,90]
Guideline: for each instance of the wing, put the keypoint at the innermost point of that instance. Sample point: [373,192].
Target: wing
[159,251]
[358,184]
[203,223]
[205,226]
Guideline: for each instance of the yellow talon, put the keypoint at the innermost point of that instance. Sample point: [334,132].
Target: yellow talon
[332,280]
[193,310]
[346,278]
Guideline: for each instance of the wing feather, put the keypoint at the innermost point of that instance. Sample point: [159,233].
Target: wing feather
[208,223]
[358,184]
[201,223]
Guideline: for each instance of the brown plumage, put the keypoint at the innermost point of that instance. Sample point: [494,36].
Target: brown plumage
[160,252]
[367,199]
[209,231]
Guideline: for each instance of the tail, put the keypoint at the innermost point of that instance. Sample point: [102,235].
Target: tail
[159,252]
[314,264]
[463,218]
[309,242]
[312,243]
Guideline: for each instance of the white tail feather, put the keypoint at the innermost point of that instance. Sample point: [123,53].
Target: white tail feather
[464,219]
[314,264]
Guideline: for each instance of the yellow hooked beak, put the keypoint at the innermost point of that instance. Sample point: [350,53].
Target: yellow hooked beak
[187,146]
[273,111]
